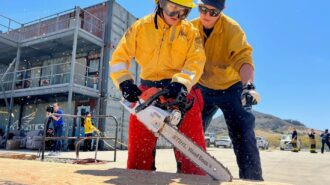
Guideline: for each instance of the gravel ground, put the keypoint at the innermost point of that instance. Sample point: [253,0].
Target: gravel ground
[278,166]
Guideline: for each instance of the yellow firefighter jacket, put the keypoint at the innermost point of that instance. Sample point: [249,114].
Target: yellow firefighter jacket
[88,126]
[174,52]
[226,50]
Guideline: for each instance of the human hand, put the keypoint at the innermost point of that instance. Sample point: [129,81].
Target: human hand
[130,91]
[249,96]
[175,89]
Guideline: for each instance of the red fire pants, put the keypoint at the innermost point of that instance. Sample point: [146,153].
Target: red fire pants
[142,142]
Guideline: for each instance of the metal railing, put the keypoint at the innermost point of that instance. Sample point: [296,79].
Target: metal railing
[9,28]
[83,78]
[92,24]
[51,24]
[50,75]
[78,139]
[61,21]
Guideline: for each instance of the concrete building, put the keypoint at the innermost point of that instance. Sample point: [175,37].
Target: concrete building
[62,58]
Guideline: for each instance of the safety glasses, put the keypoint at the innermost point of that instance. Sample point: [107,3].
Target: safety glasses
[173,10]
[212,12]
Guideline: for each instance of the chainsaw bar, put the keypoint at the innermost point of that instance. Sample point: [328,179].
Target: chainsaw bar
[196,154]
[155,119]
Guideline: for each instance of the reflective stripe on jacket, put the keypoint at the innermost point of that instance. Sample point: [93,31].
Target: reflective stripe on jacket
[226,50]
[174,52]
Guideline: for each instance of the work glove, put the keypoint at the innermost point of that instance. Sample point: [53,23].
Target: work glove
[249,96]
[175,89]
[130,91]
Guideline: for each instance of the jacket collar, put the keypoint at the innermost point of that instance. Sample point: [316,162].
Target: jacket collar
[161,23]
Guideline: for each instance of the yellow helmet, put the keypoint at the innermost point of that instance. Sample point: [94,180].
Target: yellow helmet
[186,3]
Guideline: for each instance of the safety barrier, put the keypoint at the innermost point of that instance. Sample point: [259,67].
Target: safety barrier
[81,139]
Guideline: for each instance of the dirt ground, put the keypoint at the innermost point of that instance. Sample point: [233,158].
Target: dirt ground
[279,167]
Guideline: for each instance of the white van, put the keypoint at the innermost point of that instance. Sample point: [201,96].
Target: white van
[285,143]
[209,138]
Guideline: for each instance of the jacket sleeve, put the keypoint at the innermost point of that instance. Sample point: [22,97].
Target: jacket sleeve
[194,64]
[239,49]
[122,56]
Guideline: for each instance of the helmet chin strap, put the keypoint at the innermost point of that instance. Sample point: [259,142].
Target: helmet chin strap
[158,11]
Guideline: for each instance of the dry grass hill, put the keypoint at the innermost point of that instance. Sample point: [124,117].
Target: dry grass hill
[268,126]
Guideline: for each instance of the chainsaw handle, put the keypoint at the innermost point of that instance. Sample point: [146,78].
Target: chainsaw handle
[180,101]
[151,100]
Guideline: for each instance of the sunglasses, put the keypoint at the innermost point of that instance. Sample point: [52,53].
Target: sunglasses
[173,10]
[212,12]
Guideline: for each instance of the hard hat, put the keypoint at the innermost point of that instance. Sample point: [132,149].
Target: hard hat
[186,3]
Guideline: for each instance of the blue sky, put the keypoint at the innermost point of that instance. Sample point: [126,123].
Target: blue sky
[291,44]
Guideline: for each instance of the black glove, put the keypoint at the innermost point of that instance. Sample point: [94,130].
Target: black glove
[175,89]
[249,96]
[130,91]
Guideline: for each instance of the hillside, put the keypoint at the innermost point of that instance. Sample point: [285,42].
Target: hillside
[264,122]
[269,127]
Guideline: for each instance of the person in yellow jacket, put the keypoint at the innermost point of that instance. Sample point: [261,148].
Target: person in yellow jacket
[294,140]
[170,53]
[311,135]
[89,128]
[226,83]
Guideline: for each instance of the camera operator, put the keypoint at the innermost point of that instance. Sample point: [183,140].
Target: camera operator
[58,123]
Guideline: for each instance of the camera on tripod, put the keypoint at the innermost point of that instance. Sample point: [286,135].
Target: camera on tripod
[50,109]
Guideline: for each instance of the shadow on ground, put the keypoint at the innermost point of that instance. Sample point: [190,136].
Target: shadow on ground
[140,177]
[5,182]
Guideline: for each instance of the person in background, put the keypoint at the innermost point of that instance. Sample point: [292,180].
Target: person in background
[325,140]
[2,140]
[294,140]
[89,128]
[49,143]
[312,141]
[1,133]
[227,83]
[58,123]
[169,50]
